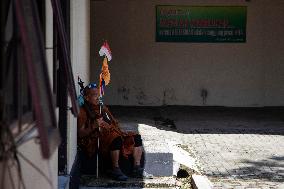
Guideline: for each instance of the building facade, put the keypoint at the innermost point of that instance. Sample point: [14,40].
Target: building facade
[144,72]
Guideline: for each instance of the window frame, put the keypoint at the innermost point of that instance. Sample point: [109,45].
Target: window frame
[35,60]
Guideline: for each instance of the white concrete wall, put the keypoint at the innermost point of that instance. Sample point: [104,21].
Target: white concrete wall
[273,53]
[144,72]
[80,58]
[36,171]
[80,38]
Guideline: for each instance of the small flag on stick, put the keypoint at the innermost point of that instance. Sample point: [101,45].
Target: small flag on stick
[105,74]
[105,51]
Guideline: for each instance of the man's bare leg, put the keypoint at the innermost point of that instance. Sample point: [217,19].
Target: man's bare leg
[137,153]
[137,169]
[116,172]
[114,158]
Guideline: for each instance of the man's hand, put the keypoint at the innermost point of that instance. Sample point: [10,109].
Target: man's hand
[102,123]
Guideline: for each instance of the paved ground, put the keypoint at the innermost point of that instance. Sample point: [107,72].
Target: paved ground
[235,148]
[231,160]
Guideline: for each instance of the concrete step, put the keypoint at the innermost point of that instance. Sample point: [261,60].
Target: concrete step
[158,159]
[83,187]
[201,182]
[158,155]
[162,182]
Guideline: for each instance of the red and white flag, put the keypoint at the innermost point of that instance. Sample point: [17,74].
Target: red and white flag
[105,51]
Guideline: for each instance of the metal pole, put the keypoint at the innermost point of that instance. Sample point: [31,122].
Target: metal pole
[101,104]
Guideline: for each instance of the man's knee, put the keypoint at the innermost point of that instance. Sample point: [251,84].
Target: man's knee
[137,140]
[116,144]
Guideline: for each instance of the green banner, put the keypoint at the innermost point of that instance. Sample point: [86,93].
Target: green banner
[201,23]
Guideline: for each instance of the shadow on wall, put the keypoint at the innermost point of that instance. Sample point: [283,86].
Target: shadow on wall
[141,97]
[169,96]
[137,95]
[124,92]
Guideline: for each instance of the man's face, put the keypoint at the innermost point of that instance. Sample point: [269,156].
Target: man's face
[93,96]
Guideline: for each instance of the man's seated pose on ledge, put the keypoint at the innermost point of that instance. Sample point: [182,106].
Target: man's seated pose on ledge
[114,144]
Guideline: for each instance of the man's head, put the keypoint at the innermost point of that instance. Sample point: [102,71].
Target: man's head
[91,93]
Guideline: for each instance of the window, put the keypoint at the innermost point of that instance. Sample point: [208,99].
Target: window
[27,92]
[25,86]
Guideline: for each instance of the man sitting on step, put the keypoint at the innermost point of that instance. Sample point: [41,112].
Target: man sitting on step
[114,144]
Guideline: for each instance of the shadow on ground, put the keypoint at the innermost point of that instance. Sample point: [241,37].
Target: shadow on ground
[264,170]
[211,120]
